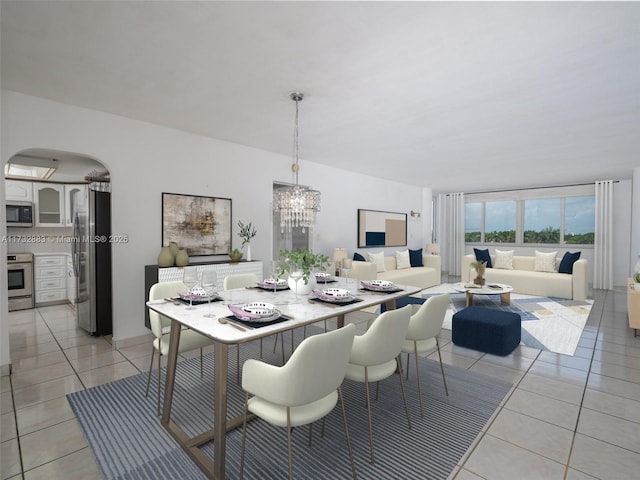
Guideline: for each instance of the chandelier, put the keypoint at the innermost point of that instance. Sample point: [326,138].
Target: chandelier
[297,204]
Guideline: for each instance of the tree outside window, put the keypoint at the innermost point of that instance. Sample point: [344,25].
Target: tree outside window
[473,222]
[542,218]
[500,222]
[579,220]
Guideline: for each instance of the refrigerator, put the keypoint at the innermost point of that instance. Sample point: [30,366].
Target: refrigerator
[91,254]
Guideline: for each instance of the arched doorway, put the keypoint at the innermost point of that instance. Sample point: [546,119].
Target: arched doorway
[71,205]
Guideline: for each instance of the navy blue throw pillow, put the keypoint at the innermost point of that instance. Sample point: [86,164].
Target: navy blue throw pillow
[415,258]
[358,257]
[483,256]
[566,264]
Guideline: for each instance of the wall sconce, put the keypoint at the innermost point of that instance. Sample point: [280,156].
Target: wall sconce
[415,215]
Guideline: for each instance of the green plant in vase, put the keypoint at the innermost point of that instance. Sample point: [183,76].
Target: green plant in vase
[480,268]
[247,232]
[304,260]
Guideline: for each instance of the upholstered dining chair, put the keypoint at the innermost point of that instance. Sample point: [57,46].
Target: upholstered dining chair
[305,389]
[423,331]
[375,355]
[240,280]
[160,327]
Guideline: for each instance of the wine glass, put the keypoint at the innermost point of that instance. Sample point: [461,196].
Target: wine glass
[346,270]
[296,274]
[190,279]
[275,274]
[209,283]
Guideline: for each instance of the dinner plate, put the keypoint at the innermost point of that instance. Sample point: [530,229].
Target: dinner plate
[258,312]
[334,295]
[381,285]
[270,284]
[323,277]
[195,297]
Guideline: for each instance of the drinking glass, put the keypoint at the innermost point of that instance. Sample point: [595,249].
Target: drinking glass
[346,270]
[190,279]
[296,274]
[209,283]
[275,274]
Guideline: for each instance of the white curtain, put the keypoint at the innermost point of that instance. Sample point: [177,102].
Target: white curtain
[451,231]
[603,244]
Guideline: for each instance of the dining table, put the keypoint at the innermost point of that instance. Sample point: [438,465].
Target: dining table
[297,310]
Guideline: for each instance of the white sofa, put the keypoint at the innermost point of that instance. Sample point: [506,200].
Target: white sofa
[524,279]
[422,277]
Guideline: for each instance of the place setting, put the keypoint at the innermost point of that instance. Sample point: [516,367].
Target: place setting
[379,286]
[255,315]
[334,296]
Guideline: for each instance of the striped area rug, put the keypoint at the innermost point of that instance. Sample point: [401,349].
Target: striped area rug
[128,441]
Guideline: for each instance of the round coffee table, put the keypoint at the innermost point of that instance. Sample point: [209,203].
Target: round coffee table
[488,289]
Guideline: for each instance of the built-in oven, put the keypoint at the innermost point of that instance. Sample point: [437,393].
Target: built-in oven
[20,267]
[19,214]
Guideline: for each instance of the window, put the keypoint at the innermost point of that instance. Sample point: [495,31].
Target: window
[579,220]
[473,222]
[530,219]
[500,222]
[542,220]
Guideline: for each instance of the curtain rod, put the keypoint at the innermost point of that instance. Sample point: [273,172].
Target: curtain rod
[530,188]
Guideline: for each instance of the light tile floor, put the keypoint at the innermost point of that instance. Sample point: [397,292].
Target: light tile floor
[567,417]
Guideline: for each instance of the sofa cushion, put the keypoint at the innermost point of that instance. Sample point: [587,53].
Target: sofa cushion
[415,258]
[378,260]
[483,256]
[545,261]
[504,259]
[566,264]
[358,257]
[402,260]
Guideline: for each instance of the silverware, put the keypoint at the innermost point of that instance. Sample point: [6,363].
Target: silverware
[225,321]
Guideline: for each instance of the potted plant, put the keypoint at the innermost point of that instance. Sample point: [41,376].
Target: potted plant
[480,268]
[247,232]
[235,255]
[302,262]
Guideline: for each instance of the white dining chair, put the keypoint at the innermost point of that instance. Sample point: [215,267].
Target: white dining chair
[375,355]
[305,389]
[422,335]
[161,326]
[240,280]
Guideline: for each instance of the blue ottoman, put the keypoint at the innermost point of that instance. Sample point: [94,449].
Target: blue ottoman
[486,330]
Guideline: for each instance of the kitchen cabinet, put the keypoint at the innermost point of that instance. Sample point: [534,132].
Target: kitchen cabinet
[48,199]
[154,274]
[50,285]
[19,191]
[70,199]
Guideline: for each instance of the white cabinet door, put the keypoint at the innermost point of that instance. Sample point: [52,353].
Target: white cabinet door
[48,199]
[69,202]
[19,191]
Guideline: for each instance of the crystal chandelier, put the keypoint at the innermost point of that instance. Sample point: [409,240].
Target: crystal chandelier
[297,204]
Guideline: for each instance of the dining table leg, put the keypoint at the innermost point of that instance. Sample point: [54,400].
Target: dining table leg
[172,362]
[220,371]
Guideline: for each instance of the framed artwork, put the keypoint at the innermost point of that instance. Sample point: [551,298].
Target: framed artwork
[200,225]
[381,229]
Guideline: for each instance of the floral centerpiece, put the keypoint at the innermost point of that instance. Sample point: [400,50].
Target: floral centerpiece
[304,260]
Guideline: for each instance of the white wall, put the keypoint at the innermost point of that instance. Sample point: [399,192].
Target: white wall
[145,160]
[635,220]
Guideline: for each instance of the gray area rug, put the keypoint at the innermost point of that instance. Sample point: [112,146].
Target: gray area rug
[128,441]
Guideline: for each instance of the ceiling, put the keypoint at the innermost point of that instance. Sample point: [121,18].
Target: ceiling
[455,96]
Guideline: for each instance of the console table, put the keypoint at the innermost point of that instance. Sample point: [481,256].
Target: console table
[154,274]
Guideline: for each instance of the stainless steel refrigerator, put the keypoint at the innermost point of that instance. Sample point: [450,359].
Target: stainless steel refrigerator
[92,261]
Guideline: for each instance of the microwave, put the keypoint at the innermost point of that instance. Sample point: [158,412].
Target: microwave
[19,214]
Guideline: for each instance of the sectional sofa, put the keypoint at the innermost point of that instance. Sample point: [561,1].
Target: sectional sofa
[524,278]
